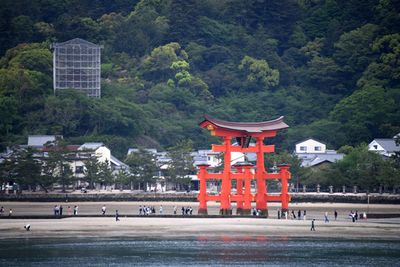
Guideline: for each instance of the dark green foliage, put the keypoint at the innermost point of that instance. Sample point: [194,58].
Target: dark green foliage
[331,67]
[143,168]
[365,169]
[24,169]
[181,165]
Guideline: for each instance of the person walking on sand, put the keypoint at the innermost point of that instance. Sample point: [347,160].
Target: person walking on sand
[312,225]
[279,214]
[304,215]
[116,216]
[174,210]
[10,213]
[161,209]
[75,210]
[299,215]
[353,216]
[1,211]
[103,210]
[335,213]
[326,217]
[61,210]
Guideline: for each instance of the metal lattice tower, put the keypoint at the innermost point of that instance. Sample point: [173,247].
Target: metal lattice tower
[76,64]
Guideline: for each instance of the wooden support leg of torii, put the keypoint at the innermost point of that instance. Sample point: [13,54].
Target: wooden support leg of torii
[202,197]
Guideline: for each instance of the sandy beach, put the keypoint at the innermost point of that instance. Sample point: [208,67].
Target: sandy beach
[166,227]
[314,210]
[199,227]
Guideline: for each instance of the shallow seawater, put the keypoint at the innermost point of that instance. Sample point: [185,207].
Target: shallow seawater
[200,251]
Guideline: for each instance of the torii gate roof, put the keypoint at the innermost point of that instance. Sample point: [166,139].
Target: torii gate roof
[249,127]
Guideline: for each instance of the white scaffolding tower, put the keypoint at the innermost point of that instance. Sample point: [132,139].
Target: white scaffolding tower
[77,65]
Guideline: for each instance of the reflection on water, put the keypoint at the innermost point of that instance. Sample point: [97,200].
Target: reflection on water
[201,250]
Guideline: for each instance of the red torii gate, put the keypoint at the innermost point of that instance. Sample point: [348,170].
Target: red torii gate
[243,132]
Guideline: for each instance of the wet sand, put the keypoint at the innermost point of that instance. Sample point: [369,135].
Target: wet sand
[103,227]
[200,227]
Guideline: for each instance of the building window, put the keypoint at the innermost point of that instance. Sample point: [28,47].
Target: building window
[317,148]
[303,148]
[79,169]
[375,146]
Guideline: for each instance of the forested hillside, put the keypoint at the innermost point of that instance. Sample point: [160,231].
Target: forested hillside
[332,68]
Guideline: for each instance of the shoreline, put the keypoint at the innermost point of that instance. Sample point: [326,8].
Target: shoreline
[201,228]
[90,224]
[127,196]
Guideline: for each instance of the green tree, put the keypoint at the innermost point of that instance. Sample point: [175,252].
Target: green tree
[105,176]
[24,168]
[158,64]
[362,113]
[9,115]
[181,164]
[323,74]
[362,168]
[143,167]
[385,70]
[299,173]
[353,50]
[59,162]
[91,170]
[122,177]
[258,71]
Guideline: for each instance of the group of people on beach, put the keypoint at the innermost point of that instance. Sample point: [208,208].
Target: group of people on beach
[148,210]
[58,210]
[292,215]
[2,210]
[187,211]
[326,217]
[144,210]
[355,216]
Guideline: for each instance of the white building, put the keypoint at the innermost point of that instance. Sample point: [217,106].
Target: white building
[385,146]
[214,159]
[310,146]
[78,154]
[312,153]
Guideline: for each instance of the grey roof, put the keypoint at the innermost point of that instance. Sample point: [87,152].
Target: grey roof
[118,163]
[388,144]
[75,41]
[313,159]
[40,140]
[90,146]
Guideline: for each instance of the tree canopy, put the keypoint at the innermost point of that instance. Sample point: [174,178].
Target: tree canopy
[328,66]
